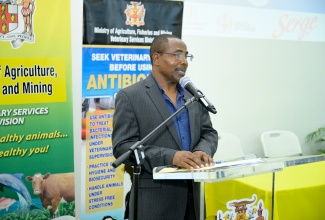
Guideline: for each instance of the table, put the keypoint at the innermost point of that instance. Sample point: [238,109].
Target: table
[220,172]
[297,192]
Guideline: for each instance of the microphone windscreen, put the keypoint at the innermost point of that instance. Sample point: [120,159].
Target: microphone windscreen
[184,81]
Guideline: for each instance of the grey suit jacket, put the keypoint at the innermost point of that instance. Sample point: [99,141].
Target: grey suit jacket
[139,109]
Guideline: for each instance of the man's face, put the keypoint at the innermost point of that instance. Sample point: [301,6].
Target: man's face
[171,67]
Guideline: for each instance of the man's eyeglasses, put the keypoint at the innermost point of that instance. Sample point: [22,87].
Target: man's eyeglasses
[181,55]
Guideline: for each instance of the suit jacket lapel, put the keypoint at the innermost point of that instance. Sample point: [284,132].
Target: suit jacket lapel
[156,97]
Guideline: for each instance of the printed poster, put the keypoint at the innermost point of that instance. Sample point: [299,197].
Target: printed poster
[36,130]
[116,39]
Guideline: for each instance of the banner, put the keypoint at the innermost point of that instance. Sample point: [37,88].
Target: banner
[36,128]
[130,22]
[116,40]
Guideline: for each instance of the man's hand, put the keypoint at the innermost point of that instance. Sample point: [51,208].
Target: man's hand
[206,160]
[189,160]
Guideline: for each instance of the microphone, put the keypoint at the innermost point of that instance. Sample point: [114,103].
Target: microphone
[188,85]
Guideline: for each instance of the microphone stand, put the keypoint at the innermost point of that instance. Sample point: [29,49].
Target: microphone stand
[136,149]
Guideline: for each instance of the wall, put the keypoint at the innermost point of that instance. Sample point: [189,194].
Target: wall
[257,82]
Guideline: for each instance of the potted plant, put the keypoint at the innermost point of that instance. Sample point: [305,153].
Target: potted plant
[317,137]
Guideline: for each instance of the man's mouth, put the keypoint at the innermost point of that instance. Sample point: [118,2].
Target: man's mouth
[181,70]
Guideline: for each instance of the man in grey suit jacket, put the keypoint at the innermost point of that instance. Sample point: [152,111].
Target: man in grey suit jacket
[189,141]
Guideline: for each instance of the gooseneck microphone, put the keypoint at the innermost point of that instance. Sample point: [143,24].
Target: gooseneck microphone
[188,85]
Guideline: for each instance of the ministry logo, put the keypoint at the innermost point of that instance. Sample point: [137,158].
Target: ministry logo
[16,23]
[135,13]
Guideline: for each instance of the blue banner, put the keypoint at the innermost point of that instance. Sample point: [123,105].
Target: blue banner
[109,69]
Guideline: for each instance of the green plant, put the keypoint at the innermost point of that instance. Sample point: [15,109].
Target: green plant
[317,137]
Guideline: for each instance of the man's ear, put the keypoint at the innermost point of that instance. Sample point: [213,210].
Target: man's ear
[155,59]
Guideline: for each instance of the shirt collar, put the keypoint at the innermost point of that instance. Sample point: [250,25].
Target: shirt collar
[180,89]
